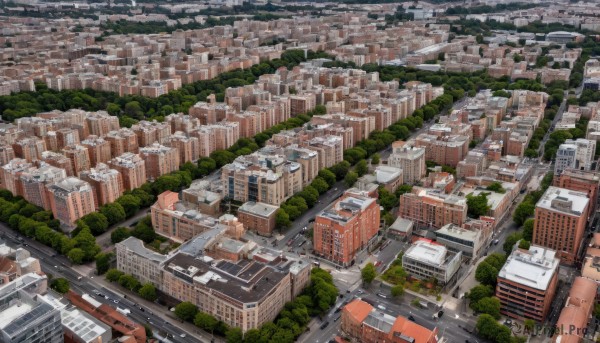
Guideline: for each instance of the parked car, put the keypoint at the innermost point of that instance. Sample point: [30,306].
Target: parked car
[324,325]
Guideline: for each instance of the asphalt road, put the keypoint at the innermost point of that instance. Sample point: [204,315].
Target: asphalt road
[59,266]
[449,326]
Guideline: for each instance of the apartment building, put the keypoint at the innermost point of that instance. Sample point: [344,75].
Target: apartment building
[258,217]
[427,208]
[159,159]
[187,147]
[587,181]
[6,154]
[410,159]
[35,181]
[71,199]
[425,259]
[364,323]
[135,259]
[79,157]
[121,141]
[243,293]
[29,148]
[98,149]
[58,160]
[107,184]
[527,283]
[11,175]
[132,169]
[243,181]
[172,219]
[26,317]
[444,150]
[344,228]
[150,132]
[577,311]
[101,123]
[560,219]
[575,154]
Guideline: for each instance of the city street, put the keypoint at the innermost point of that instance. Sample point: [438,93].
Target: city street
[142,312]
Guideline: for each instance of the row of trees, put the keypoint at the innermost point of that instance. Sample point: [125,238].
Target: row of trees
[489,328]
[527,207]
[146,291]
[315,300]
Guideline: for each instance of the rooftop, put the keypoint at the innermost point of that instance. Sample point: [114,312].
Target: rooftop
[533,268]
[137,246]
[258,208]
[427,252]
[564,200]
[458,232]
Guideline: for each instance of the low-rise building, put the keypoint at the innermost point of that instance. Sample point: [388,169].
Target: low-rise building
[527,283]
[457,239]
[258,217]
[135,259]
[576,314]
[425,259]
[363,323]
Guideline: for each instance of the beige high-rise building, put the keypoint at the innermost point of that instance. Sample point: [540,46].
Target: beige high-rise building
[71,199]
[560,220]
[107,183]
[79,156]
[149,133]
[98,148]
[160,160]
[410,159]
[66,137]
[36,180]
[11,175]
[122,141]
[132,169]
[101,123]
[58,160]
[29,148]
[246,182]
[6,154]
[187,147]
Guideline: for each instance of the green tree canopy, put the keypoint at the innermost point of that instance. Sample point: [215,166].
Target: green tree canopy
[61,285]
[148,292]
[477,205]
[368,273]
[186,311]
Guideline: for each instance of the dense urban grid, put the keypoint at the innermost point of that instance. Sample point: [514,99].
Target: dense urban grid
[281,171]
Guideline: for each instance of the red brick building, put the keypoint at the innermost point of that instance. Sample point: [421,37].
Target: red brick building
[345,227]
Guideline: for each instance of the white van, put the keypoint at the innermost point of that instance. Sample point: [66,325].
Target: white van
[381,307]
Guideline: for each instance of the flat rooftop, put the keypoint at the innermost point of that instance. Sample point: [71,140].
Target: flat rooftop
[533,268]
[427,252]
[258,208]
[571,202]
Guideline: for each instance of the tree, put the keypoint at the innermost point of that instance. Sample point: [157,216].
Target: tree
[496,187]
[235,335]
[510,242]
[479,39]
[143,230]
[97,222]
[76,255]
[368,273]
[479,292]
[113,275]
[486,273]
[119,234]
[186,311]
[340,169]
[489,305]
[320,185]
[148,292]
[328,176]
[350,179]
[487,327]
[114,213]
[397,291]
[529,325]
[524,244]
[85,241]
[60,285]
[205,321]
[375,159]
[282,219]
[129,282]
[523,211]
[528,229]
[103,262]
[361,168]
[477,205]
[130,204]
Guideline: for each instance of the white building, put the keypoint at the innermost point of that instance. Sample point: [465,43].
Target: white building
[470,242]
[425,259]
